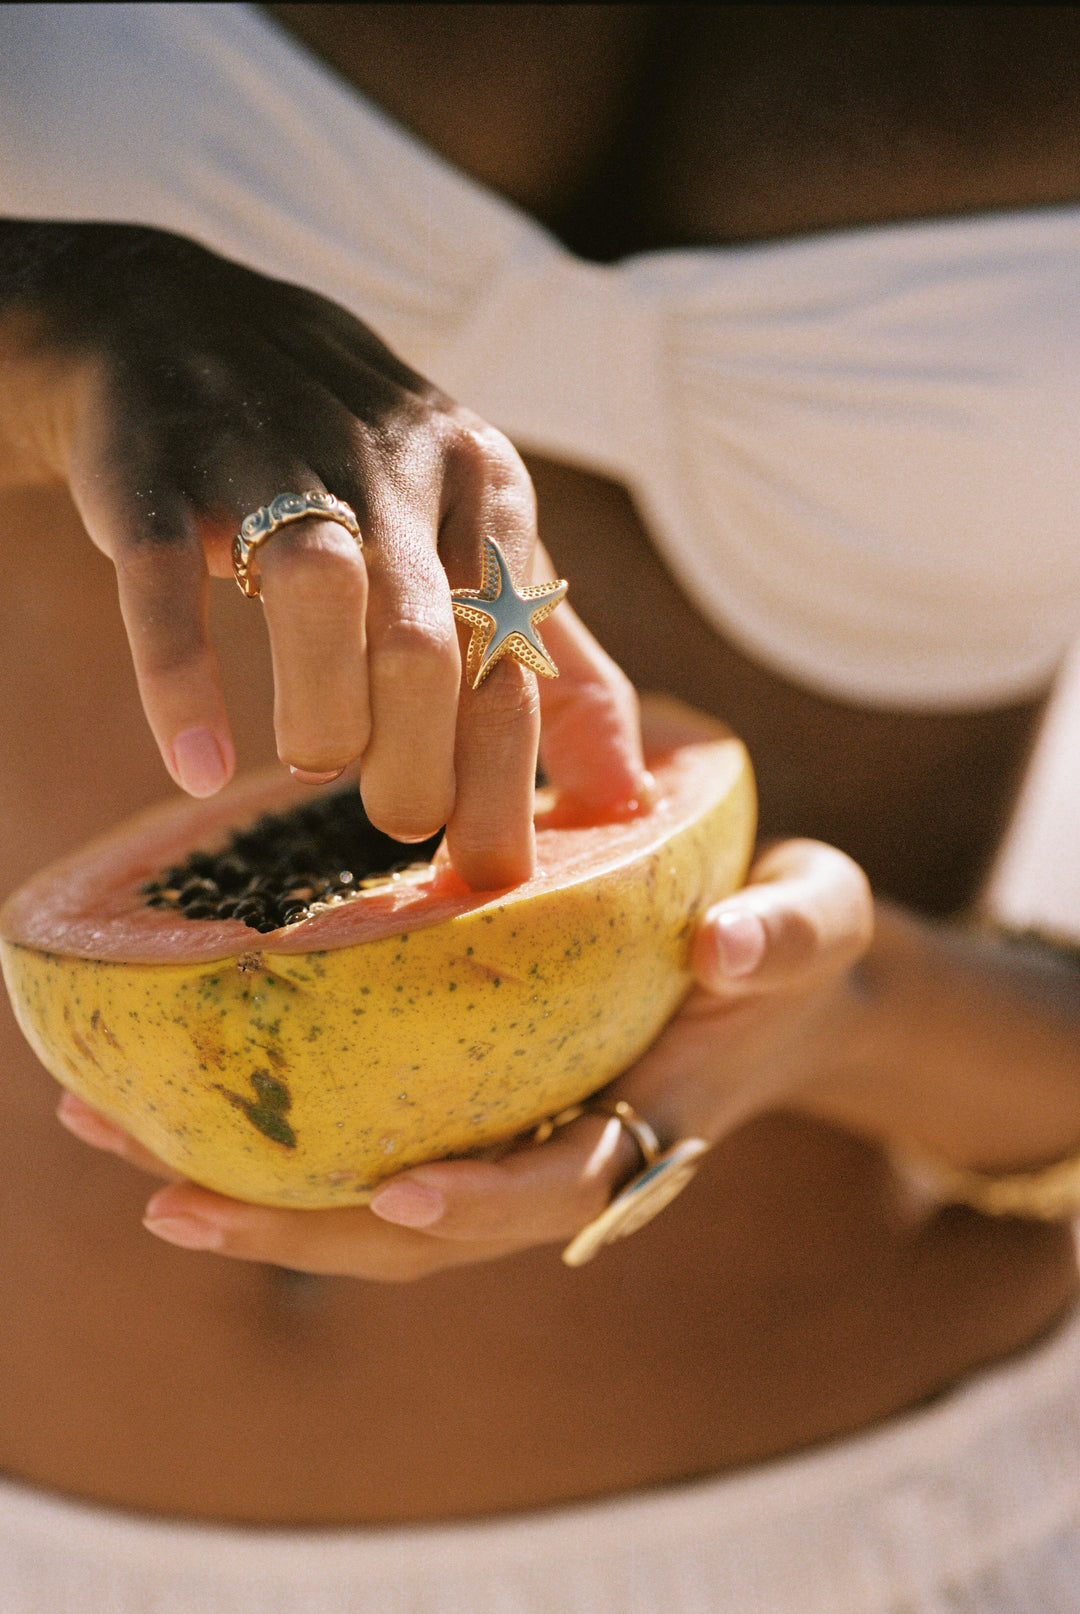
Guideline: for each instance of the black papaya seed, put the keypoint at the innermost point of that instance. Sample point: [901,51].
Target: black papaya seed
[273,870]
[198,891]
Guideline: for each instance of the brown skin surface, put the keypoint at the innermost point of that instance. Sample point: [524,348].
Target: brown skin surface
[783,1299]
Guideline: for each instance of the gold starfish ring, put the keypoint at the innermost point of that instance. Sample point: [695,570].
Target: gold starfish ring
[504,618]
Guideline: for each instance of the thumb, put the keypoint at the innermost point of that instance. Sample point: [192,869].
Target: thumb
[806,912]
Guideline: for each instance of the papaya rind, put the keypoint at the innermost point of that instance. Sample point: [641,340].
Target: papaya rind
[304,1078]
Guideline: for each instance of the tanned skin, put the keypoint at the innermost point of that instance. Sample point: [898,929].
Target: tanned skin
[786,1297]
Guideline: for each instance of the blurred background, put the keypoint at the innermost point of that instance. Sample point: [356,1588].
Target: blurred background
[1036,880]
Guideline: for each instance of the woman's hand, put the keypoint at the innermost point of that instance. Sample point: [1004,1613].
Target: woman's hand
[774,968]
[175,392]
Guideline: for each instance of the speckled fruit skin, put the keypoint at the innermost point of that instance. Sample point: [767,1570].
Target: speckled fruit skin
[299,1068]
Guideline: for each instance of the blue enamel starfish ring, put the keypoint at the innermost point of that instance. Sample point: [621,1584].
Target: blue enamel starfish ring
[504,619]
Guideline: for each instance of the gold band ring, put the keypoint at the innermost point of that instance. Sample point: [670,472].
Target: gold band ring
[261,524]
[666,1174]
[644,1197]
[639,1129]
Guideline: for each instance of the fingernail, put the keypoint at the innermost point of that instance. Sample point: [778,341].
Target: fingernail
[189,1232]
[307,778]
[408,1203]
[645,797]
[647,793]
[87,1125]
[740,943]
[199,762]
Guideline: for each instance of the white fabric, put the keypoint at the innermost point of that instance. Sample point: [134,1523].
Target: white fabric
[968,1506]
[858,452]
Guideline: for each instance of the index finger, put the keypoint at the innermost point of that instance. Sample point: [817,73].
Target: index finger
[162,584]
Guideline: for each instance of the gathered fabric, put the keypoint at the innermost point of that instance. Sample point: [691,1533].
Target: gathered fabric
[969,1505]
[856,451]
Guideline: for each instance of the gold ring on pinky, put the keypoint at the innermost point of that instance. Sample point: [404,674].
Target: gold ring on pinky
[666,1174]
[262,524]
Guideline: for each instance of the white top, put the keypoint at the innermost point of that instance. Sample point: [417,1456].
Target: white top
[858,452]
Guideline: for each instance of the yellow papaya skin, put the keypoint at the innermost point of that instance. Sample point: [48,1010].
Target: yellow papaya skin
[300,1078]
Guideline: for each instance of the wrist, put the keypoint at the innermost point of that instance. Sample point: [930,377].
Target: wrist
[842,1052]
[962,1051]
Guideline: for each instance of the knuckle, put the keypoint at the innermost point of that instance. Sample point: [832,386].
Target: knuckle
[153,559]
[510,699]
[403,641]
[477,440]
[180,650]
[485,454]
[171,661]
[605,706]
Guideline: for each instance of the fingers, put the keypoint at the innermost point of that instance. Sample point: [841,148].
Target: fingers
[591,743]
[534,1195]
[333,1243]
[314,591]
[490,836]
[805,913]
[95,1129]
[776,989]
[149,532]
[450,1213]
[408,773]
[162,585]
[366,653]
[490,830]
[444,1215]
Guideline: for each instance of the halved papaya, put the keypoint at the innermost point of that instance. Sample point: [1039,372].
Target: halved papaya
[413,1020]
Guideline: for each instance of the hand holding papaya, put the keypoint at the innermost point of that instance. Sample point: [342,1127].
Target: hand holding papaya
[175,392]
[775,978]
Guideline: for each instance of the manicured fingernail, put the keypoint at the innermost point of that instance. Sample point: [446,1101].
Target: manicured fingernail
[199,762]
[189,1232]
[408,1203]
[307,778]
[740,943]
[87,1125]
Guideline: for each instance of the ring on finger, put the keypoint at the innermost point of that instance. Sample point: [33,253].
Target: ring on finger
[504,618]
[665,1175]
[262,524]
[638,1128]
